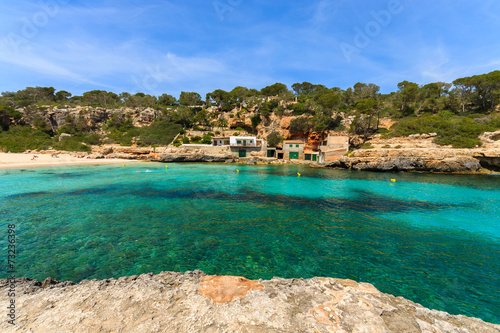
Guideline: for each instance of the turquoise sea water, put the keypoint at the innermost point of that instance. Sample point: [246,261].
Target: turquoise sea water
[434,239]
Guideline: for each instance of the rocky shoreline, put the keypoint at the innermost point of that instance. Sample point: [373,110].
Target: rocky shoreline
[195,302]
[470,161]
[425,159]
[416,153]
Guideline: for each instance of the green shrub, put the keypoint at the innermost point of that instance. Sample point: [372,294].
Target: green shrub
[256,120]
[300,109]
[207,139]
[7,112]
[382,130]
[20,138]
[160,132]
[123,138]
[268,107]
[457,131]
[13,113]
[322,122]
[185,140]
[71,144]
[273,139]
[92,139]
[367,145]
[390,112]
[279,110]
[119,122]
[493,123]
[462,133]
[196,139]
[301,124]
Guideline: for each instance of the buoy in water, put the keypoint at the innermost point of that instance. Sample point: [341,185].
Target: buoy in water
[123,164]
[393,180]
[298,174]
[237,170]
[166,166]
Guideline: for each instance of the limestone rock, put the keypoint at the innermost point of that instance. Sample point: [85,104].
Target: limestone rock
[132,150]
[243,122]
[195,302]
[92,116]
[64,136]
[427,160]
[191,157]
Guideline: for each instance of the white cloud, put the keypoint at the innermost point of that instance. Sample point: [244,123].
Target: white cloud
[326,10]
[434,64]
[31,61]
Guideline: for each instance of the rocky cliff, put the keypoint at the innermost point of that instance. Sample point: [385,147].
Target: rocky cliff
[419,153]
[195,302]
[95,117]
[418,159]
[162,154]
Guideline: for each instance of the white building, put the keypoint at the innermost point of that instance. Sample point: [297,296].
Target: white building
[243,141]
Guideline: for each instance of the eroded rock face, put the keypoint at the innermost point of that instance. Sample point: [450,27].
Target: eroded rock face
[95,116]
[194,302]
[427,160]
[192,157]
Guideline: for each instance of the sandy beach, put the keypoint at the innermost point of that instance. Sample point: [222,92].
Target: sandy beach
[21,160]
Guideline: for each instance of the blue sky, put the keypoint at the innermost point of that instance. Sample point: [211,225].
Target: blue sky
[160,47]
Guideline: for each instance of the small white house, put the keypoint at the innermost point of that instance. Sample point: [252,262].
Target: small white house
[243,141]
[244,146]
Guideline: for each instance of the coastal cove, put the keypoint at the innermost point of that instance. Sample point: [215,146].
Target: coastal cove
[433,239]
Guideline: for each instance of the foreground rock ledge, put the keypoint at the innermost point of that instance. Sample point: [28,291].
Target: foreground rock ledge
[195,302]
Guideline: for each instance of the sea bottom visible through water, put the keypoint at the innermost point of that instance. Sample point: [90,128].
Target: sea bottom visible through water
[433,239]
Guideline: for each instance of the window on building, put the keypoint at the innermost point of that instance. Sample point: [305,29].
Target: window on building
[297,146]
[238,141]
[291,146]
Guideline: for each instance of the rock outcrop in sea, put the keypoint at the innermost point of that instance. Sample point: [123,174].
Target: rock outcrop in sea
[195,302]
[425,160]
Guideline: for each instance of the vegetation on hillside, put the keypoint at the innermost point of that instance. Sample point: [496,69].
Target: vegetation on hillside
[458,112]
